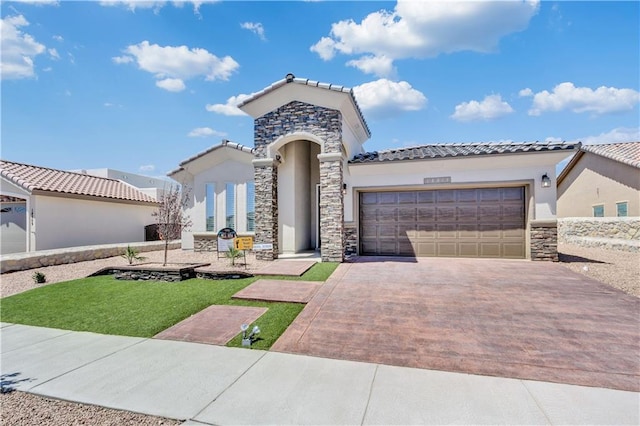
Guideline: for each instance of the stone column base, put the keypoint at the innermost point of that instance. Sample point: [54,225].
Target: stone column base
[544,240]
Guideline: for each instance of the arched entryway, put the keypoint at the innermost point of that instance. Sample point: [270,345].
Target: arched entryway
[298,196]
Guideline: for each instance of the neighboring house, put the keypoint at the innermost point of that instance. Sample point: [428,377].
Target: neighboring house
[44,208]
[149,185]
[310,184]
[601,181]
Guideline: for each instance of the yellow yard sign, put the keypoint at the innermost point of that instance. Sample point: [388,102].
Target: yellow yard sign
[244,243]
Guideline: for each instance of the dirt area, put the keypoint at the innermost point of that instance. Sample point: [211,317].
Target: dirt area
[17,282]
[619,269]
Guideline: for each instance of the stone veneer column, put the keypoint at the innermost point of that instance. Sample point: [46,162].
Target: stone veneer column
[331,208]
[266,204]
[544,240]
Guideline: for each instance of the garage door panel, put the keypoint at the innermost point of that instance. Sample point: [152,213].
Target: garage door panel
[512,194]
[469,249]
[369,198]
[407,214]
[445,196]
[467,196]
[426,214]
[426,197]
[513,250]
[467,213]
[387,214]
[388,198]
[485,222]
[489,249]
[468,231]
[426,249]
[447,249]
[426,231]
[388,247]
[446,214]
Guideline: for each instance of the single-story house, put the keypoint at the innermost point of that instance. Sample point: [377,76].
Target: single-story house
[601,181]
[309,184]
[45,208]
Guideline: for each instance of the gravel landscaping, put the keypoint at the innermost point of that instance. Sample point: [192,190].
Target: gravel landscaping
[20,409]
[619,269]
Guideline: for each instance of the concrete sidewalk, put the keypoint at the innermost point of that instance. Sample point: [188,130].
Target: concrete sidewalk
[205,384]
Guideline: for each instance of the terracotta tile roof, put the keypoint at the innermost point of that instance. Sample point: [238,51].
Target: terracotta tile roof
[290,78]
[35,178]
[625,152]
[424,152]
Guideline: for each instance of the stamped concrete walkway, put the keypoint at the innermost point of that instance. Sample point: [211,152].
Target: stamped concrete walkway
[519,319]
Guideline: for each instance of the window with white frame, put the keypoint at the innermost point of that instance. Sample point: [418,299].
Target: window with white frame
[251,206]
[230,216]
[598,211]
[210,202]
[621,209]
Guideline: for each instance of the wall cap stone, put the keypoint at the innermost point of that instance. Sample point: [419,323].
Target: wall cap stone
[330,156]
[544,223]
[265,162]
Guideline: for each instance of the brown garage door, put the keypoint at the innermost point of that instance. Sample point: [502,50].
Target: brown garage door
[482,222]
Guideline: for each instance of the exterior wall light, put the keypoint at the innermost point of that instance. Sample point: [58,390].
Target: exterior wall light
[546,181]
[344,189]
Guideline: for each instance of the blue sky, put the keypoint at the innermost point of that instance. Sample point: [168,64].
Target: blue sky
[140,86]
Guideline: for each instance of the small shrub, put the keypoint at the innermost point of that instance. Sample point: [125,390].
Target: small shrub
[39,278]
[131,254]
[233,254]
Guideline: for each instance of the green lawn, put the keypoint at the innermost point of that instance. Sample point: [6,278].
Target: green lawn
[144,308]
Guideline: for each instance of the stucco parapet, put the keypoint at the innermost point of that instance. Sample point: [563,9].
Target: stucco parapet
[330,156]
[544,223]
[265,162]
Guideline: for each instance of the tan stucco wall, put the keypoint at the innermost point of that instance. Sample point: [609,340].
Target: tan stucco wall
[598,180]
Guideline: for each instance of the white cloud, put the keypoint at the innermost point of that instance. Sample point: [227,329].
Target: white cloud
[204,132]
[378,65]
[132,5]
[39,2]
[422,29]
[147,168]
[566,96]
[169,63]
[229,108]
[526,92]
[171,84]
[58,38]
[490,108]
[254,27]
[53,53]
[384,97]
[122,59]
[619,134]
[18,49]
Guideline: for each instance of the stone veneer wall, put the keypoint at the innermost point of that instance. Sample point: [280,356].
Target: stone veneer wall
[544,240]
[350,240]
[266,204]
[616,233]
[326,125]
[38,259]
[331,208]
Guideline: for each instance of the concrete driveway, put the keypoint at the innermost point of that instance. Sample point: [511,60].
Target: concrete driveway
[508,318]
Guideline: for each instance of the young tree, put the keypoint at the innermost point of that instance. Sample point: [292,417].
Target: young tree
[170,216]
